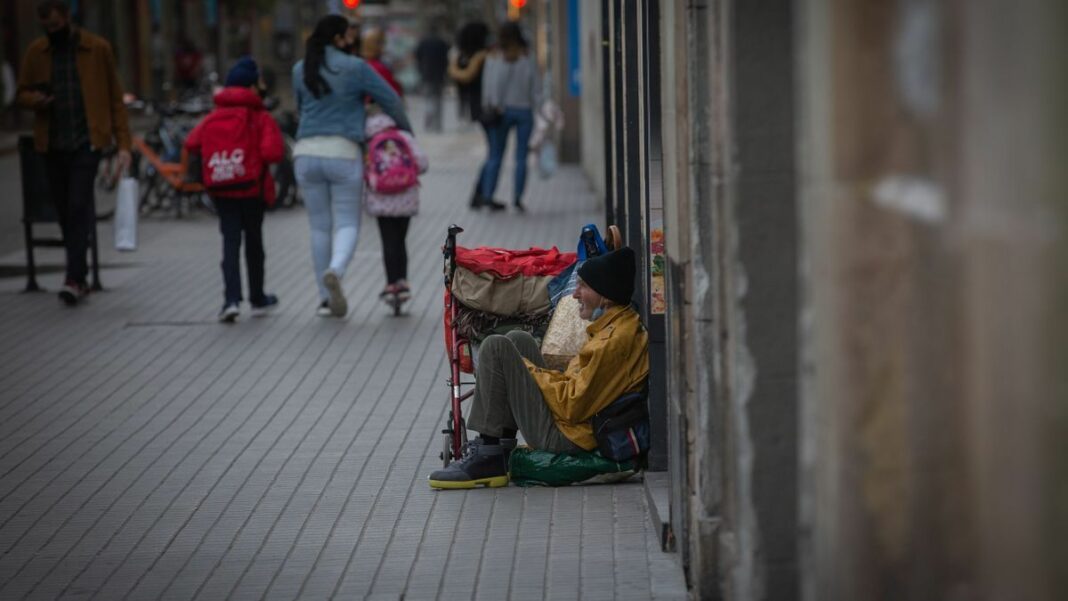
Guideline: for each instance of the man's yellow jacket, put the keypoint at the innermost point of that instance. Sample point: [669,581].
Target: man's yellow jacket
[613,362]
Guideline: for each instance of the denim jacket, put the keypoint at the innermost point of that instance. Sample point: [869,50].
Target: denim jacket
[341,112]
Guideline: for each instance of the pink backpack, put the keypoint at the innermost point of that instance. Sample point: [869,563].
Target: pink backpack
[391,167]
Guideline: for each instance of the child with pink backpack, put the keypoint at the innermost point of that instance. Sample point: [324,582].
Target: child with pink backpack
[393,164]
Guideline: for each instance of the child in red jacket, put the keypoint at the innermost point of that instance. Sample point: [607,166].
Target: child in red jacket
[236,143]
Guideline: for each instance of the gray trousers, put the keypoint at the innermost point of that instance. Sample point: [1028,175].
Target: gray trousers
[507,397]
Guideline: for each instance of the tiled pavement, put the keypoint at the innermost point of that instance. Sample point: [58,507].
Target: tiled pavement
[147,452]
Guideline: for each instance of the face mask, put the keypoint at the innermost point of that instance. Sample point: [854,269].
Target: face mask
[597,313]
[59,37]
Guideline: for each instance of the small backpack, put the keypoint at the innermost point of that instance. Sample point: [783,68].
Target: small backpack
[622,428]
[391,166]
[230,152]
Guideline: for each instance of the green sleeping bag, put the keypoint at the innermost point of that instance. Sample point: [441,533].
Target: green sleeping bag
[530,467]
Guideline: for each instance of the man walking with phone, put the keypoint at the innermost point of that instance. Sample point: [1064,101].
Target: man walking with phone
[68,78]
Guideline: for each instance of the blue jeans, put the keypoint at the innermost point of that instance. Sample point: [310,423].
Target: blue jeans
[332,190]
[523,122]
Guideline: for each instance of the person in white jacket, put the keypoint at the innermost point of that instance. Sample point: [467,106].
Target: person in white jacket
[393,213]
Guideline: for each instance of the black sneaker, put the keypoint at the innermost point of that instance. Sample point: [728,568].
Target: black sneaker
[270,301]
[482,464]
[494,205]
[519,208]
[72,292]
[229,313]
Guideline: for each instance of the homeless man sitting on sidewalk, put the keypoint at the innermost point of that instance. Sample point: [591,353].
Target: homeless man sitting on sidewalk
[514,391]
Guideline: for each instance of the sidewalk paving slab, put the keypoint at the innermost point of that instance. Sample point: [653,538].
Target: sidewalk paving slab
[148,452]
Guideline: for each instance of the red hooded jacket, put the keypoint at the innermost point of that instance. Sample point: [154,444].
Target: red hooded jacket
[387,74]
[270,148]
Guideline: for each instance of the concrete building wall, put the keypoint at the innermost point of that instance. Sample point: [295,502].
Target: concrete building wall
[933,207]
[681,368]
[592,104]
[729,191]
[866,237]
[765,264]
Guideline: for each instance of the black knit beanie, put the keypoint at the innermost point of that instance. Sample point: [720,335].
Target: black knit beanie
[611,275]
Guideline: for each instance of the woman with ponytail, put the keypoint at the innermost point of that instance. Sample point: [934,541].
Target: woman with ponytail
[330,86]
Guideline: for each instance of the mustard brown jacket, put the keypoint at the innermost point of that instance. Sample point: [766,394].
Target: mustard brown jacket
[101,90]
[613,362]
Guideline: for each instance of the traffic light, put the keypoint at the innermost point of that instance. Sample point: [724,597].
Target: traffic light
[351,3]
[515,8]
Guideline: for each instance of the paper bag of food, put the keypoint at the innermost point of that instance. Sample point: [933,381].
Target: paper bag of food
[566,334]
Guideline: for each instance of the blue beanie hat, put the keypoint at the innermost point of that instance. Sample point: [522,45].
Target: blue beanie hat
[243,74]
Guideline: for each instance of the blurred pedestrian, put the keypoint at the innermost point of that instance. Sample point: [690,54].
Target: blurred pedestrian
[394,162]
[236,142]
[330,86]
[372,47]
[432,56]
[68,78]
[352,39]
[8,87]
[466,71]
[511,86]
[188,61]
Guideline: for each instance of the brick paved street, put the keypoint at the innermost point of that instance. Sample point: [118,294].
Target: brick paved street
[148,452]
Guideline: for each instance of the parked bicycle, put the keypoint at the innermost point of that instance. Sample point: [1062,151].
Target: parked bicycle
[163,171]
[287,193]
[285,177]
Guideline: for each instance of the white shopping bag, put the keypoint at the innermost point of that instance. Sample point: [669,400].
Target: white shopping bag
[547,161]
[126,211]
